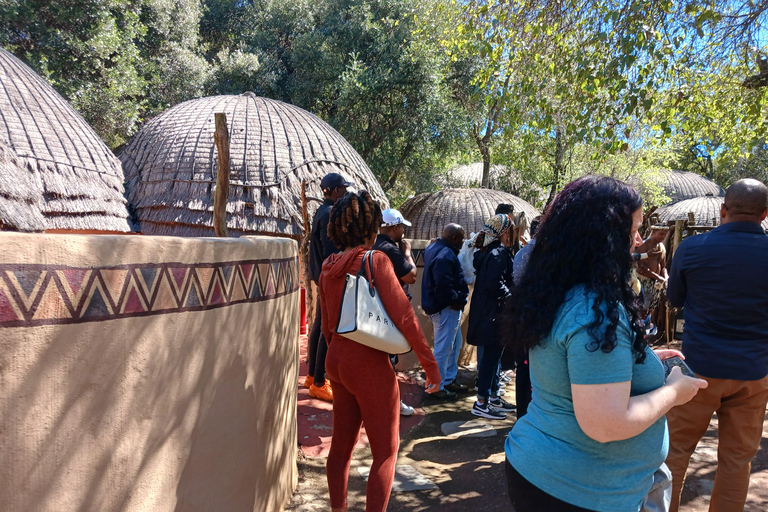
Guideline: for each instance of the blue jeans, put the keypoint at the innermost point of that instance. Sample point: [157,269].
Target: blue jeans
[447,324]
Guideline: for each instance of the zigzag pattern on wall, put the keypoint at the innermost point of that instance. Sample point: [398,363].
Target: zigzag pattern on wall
[33,295]
[418,257]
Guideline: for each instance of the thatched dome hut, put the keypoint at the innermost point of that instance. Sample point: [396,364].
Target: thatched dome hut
[682,185]
[82,181]
[21,194]
[172,163]
[704,209]
[470,207]
[500,177]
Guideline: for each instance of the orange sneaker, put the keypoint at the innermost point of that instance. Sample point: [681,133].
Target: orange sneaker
[308,381]
[323,392]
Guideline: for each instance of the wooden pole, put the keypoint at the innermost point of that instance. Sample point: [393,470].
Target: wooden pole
[679,226]
[221,136]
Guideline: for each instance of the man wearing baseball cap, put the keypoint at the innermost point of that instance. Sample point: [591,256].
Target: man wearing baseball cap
[334,186]
[390,241]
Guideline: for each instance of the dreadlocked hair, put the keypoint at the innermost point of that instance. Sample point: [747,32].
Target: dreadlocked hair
[354,219]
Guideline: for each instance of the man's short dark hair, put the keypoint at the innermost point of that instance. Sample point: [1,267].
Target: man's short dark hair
[746,197]
[509,209]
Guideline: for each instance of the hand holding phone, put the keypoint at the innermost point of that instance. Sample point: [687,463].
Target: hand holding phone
[673,361]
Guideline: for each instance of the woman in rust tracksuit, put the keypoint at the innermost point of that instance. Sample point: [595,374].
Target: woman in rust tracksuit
[364,384]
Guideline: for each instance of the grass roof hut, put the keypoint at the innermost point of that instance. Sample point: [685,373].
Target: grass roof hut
[682,185]
[500,177]
[21,194]
[706,211]
[470,207]
[172,163]
[81,179]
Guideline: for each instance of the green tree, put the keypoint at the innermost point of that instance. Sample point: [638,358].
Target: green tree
[358,65]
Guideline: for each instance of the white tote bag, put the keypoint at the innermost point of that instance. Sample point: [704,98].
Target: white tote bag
[362,317]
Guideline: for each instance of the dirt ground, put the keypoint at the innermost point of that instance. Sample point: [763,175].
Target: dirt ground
[469,472]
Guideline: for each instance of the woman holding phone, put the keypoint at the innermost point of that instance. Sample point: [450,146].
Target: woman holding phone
[595,432]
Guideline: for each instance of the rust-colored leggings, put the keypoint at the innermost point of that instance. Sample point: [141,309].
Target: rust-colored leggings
[364,391]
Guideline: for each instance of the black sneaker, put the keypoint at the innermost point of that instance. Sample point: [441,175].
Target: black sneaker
[455,387]
[443,394]
[487,411]
[501,404]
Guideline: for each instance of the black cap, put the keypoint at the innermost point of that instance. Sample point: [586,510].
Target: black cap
[333,180]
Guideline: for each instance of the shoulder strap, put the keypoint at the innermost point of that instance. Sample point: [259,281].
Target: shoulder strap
[369,257]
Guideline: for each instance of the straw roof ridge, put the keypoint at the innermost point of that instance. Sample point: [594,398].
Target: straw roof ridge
[20,195]
[704,210]
[682,185]
[81,180]
[471,175]
[171,166]
[469,207]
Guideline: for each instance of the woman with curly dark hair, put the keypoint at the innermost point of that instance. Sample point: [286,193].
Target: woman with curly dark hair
[595,432]
[364,385]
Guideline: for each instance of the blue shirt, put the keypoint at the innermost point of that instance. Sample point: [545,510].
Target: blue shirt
[521,260]
[547,446]
[721,278]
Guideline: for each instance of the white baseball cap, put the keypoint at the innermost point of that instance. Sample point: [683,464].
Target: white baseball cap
[392,217]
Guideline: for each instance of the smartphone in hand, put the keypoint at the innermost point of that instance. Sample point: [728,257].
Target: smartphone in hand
[673,361]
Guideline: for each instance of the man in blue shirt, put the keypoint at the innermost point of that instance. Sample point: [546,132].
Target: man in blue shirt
[721,278]
[443,297]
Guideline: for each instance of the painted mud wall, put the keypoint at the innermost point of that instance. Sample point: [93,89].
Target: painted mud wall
[147,373]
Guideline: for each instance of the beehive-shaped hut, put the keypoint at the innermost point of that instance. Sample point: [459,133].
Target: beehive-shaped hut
[171,167]
[500,177]
[81,180]
[20,195]
[470,207]
[704,210]
[682,185]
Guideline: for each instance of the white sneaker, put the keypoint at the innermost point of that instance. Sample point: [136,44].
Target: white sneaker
[405,410]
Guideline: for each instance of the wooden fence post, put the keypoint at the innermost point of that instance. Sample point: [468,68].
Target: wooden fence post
[221,136]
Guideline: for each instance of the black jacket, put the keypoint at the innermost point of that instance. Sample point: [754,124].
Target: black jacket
[442,283]
[493,268]
[320,246]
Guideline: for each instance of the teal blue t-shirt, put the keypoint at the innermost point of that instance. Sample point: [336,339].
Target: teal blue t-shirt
[547,446]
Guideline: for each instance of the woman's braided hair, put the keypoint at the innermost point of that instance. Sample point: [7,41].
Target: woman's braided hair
[354,219]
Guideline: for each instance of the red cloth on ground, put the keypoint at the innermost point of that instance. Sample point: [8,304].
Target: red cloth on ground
[363,382]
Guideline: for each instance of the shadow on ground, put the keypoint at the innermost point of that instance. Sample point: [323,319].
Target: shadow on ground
[469,472]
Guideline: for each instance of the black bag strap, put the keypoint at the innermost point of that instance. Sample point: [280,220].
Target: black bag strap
[369,257]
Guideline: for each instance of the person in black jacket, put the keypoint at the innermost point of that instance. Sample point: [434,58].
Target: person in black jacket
[333,186]
[493,282]
[443,297]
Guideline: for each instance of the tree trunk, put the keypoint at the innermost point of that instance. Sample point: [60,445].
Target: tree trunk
[558,169]
[485,151]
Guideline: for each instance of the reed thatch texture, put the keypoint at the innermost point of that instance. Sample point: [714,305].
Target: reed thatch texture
[172,163]
[704,210]
[469,207]
[500,177]
[82,181]
[21,194]
[682,185]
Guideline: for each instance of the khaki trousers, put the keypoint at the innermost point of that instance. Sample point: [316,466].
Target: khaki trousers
[740,408]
